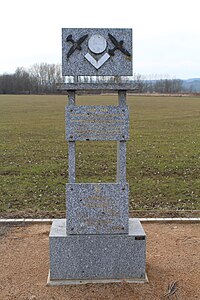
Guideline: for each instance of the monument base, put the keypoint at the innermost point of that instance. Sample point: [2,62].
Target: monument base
[76,259]
[94,281]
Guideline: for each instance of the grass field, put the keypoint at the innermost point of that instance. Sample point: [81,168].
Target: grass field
[163,153]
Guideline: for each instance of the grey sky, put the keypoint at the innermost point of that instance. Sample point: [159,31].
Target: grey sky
[166,34]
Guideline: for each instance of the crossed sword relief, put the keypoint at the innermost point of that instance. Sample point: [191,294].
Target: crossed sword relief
[76,45]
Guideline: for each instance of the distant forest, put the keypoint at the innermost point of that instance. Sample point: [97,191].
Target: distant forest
[46,78]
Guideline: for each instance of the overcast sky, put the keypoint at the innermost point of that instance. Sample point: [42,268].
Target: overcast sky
[166,34]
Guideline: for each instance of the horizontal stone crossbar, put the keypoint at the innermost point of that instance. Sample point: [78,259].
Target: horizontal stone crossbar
[101,87]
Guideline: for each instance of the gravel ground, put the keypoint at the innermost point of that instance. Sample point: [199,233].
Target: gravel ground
[173,257]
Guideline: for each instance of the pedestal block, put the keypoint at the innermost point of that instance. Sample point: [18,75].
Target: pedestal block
[97,257]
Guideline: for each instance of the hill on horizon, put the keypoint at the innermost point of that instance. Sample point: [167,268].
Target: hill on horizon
[192,84]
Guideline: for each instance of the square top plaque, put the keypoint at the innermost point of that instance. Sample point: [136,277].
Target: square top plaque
[96,52]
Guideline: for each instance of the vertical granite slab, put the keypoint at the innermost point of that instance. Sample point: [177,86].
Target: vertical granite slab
[97,256]
[122,98]
[96,51]
[72,145]
[121,146]
[72,162]
[121,162]
[97,208]
[87,123]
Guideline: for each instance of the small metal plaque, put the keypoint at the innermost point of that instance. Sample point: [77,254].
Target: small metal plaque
[97,123]
[96,52]
[97,208]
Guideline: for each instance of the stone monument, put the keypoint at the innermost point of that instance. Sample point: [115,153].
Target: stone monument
[97,242]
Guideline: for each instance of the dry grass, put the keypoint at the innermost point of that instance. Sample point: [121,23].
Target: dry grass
[163,153]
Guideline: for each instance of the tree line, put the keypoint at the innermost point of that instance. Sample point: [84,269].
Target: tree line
[164,85]
[38,79]
[45,78]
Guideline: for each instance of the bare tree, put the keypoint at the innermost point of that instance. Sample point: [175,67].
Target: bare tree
[46,76]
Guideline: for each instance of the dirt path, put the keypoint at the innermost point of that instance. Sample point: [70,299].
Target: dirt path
[173,254]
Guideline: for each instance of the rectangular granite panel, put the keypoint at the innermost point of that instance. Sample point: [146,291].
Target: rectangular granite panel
[97,208]
[97,256]
[98,86]
[97,123]
[96,51]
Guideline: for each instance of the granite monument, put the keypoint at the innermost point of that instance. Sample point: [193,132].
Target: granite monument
[97,242]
